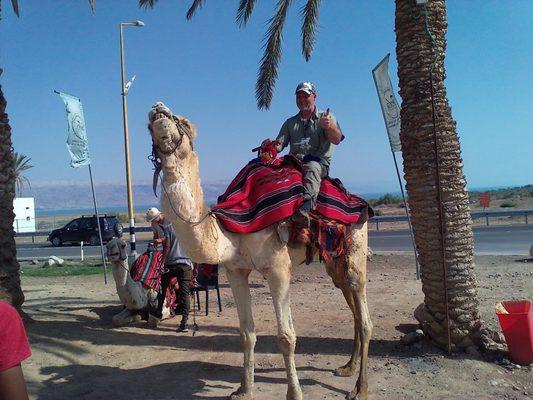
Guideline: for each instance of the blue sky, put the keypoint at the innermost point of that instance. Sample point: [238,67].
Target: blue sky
[205,69]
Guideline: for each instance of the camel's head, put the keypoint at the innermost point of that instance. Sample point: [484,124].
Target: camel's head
[116,250]
[172,135]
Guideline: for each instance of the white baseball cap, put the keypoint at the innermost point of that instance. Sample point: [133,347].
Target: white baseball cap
[152,214]
[306,87]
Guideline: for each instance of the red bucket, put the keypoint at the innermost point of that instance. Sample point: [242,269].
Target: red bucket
[517,327]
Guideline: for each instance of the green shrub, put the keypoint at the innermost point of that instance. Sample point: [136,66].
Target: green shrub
[123,218]
[508,204]
[388,198]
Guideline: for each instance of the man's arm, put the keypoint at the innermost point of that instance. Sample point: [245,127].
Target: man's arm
[283,136]
[330,125]
[12,385]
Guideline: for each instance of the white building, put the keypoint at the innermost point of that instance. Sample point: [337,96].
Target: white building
[24,208]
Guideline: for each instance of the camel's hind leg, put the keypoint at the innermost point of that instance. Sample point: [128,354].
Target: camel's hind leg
[238,280]
[349,368]
[351,279]
[278,281]
[365,333]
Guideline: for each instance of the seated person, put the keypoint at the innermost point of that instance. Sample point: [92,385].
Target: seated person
[311,134]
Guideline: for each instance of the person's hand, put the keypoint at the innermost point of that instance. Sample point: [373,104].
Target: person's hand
[326,122]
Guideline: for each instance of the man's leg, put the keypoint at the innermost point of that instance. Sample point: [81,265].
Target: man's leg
[157,313]
[313,172]
[184,294]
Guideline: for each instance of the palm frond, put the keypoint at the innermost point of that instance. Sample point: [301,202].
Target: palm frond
[20,163]
[309,27]
[268,71]
[194,6]
[91,4]
[244,12]
[147,3]
[15,7]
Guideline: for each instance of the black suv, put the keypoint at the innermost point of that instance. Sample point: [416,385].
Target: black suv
[85,229]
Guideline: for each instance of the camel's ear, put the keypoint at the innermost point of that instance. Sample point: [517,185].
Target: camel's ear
[186,124]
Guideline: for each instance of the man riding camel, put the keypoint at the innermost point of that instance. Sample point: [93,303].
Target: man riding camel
[311,134]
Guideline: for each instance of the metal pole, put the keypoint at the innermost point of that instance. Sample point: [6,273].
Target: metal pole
[98,225]
[127,146]
[408,216]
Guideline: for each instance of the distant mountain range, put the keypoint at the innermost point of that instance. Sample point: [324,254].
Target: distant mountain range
[68,196]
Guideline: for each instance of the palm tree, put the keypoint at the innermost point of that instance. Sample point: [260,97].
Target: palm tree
[433,167]
[10,290]
[21,164]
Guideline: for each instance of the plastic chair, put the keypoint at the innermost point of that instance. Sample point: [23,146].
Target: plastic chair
[206,280]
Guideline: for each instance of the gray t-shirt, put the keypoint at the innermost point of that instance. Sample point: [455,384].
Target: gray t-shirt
[175,253]
[307,137]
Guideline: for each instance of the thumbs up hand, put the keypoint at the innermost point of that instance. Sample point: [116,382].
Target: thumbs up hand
[326,122]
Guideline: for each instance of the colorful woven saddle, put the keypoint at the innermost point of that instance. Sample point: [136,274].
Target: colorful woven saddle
[265,193]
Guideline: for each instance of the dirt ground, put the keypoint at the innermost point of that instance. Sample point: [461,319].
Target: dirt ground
[77,354]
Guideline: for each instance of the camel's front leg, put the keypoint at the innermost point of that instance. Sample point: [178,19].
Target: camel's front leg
[279,280]
[238,280]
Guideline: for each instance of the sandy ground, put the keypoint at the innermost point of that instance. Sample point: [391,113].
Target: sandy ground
[77,354]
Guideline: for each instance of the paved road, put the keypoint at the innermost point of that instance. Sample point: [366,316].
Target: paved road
[515,240]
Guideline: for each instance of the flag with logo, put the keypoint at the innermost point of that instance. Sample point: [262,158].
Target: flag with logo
[389,105]
[77,137]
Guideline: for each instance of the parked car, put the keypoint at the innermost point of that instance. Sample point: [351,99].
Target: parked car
[85,229]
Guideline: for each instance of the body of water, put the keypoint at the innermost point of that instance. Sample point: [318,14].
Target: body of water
[90,211]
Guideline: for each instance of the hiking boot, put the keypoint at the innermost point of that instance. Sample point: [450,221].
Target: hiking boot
[153,321]
[301,218]
[184,327]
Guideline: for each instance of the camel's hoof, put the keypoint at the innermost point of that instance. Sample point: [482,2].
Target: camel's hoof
[355,395]
[240,395]
[345,371]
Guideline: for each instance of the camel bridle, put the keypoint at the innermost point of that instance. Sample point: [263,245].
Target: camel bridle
[156,161]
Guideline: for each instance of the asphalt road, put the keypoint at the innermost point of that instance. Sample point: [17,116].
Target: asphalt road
[511,240]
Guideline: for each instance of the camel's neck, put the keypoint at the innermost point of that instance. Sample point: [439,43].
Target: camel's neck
[183,203]
[121,273]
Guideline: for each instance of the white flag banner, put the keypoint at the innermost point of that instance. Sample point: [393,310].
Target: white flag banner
[389,105]
[77,145]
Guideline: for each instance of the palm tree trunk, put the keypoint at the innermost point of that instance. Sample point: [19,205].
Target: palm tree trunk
[10,290]
[454,267]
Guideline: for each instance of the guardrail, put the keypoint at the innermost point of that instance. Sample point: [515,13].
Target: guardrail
[474,214]
[382,218]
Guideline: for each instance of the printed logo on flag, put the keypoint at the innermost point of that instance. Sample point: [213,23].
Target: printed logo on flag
[77,144]
[389,105]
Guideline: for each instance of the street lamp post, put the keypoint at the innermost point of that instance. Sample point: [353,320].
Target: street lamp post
[126,137]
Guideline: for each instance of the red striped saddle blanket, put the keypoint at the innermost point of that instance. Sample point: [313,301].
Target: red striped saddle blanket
[147,269]
[265,193]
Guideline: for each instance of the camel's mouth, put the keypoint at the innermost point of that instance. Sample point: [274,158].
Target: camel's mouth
[158,111]
[159,115]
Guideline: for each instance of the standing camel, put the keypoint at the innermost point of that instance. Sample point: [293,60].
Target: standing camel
[206,241]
